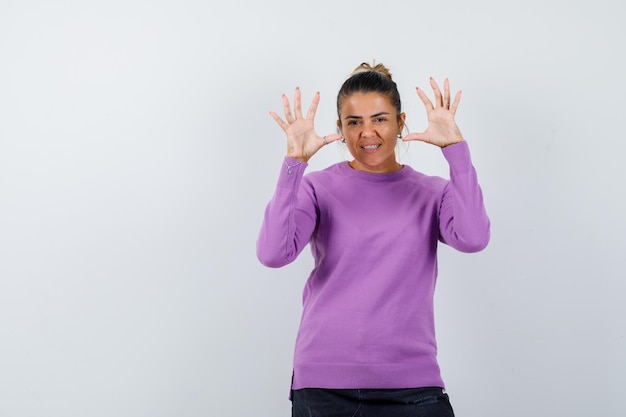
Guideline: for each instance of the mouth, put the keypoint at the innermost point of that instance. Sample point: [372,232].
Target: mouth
[371,147]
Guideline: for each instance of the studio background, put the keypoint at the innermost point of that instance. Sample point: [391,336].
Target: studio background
[137,156]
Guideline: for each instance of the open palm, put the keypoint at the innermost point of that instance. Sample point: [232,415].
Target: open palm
[302,140]
[442,129]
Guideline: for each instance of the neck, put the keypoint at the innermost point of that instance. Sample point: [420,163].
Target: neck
[375,170]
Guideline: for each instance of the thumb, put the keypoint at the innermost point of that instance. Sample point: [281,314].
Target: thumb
[422,137]
[333,137]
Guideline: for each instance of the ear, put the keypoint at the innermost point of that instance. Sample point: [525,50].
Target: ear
[339,127]
[401,119]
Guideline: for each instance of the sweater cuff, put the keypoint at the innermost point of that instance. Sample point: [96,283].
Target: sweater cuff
[458,157]
[290,171]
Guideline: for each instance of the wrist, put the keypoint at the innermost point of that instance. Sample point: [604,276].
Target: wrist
[292,163]
[453,143]
[298,158]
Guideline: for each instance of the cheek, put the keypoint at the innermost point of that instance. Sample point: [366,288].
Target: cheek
[351,143]
[350,137]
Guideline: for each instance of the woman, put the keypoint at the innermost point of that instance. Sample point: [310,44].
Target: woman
[366,343]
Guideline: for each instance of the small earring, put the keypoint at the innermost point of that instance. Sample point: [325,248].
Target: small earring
[343,140]
[399,136]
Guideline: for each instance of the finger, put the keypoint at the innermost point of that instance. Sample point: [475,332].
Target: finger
[280,121]
[297,103]
[333,137]
[313,107]
[455,103]
[422,137]
[287,109]
[446,93]
[427,103]
[437,91]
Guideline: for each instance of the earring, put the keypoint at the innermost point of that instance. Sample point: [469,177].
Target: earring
[343,140]
[399,136]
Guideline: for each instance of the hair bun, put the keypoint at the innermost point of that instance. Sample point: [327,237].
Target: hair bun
[379,68]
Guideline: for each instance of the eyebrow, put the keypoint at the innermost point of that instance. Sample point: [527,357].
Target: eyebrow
[360,117]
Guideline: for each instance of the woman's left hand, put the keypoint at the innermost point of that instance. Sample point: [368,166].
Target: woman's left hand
[442,129]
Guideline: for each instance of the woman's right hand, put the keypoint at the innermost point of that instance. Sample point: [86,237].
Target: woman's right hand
[302,141]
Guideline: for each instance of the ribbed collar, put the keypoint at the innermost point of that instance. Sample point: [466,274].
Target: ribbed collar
[346,169]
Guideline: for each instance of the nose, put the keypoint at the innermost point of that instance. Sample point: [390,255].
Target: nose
[368,130]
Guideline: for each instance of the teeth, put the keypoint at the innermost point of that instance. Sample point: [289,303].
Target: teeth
[370,147]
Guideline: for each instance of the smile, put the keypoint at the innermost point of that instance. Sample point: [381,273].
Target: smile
[370,147]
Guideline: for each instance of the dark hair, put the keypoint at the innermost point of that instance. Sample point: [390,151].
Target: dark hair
[368,79]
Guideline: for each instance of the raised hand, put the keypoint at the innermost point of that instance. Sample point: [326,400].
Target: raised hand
[302,141]
[442,129]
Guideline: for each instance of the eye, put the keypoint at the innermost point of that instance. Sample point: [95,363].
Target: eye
[353,122]
[380,120]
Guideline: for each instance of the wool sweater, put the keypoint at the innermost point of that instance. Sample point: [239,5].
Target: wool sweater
[367,318]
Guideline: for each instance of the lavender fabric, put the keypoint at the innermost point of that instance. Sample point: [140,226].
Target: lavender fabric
[367,319]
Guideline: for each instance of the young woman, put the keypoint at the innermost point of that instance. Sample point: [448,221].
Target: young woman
[366,344]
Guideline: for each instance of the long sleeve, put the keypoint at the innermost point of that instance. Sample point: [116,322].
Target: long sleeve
[368,315]
[289,220]
[463,220]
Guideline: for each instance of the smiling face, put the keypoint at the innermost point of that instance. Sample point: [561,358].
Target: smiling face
[370,125]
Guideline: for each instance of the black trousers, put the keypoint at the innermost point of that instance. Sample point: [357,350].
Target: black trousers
[411,402]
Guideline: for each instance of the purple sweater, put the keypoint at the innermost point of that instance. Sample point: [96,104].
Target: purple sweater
[367,318]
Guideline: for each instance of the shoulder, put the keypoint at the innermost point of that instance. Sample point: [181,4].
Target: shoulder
[422,180]
[330,173]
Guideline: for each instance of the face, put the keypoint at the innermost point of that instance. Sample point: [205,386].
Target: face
[370,125]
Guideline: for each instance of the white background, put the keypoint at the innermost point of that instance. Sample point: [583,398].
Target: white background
[137,156]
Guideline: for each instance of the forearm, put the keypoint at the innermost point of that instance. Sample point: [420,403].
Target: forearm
[287,225]
[463,220]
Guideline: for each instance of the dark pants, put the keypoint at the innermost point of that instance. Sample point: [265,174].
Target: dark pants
[412,402]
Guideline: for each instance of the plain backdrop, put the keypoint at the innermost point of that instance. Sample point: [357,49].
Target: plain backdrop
[137,156]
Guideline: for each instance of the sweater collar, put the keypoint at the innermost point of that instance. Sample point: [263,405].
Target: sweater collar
[346,169]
